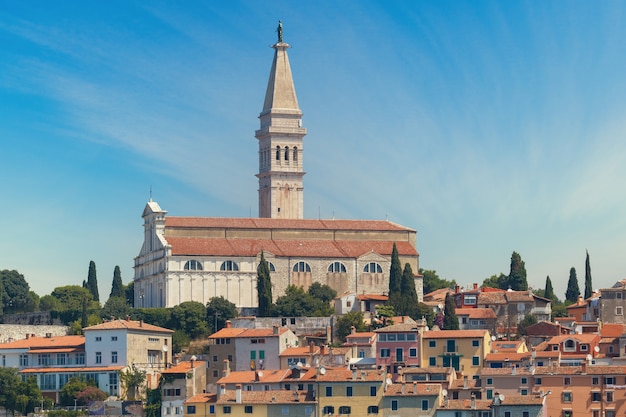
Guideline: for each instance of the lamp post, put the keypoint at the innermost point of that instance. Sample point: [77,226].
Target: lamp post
[74,404]
[215,327]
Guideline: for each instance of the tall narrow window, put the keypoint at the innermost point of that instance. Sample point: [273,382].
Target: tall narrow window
[295,153]
[278,153]
[286,153]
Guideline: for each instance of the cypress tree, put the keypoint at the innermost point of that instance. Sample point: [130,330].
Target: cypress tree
[264,288]
[395,280]
[450,320]
[517,274]
[573,291]
[92,281]
[588,284]
[408,292]
[549,291]
[84,318]
[117,287]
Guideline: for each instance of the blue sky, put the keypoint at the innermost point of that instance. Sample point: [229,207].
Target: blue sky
[489,127]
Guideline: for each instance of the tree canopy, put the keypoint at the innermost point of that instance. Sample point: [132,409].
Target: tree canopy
[322,292]
[573,291]
[347,321]
[92,281]
[218,310]
[408,294]
[432,281]
[18,395]
[395,280]
[15,292]
[517,275]
[450,320]
[117,286]
[298,303]
[190,317]
[549,291]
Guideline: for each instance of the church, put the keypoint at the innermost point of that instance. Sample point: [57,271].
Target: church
[197,258]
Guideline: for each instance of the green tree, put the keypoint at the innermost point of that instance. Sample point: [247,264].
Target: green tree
[156,316]
[70,390]
[92,281]
[588,284]
[218,310]
[117,287]
[90,394]
[395,280]
[71,297]
[432,281]
[408,299]
[15,292]
[549,291]
[346,322]
[517,274]
[153,402]
[264,288]
[32,302]
[526,322]
[322,292]
[129,291]
[132,380]
[49,303]
[496,281]
[450,320]
[190,317]
[84,317]
[116,307]
[573,291]
[298,303]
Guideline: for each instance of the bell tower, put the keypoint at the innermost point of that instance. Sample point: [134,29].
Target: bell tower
[281,151]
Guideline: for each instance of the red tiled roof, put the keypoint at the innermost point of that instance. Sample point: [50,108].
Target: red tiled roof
[476,313]
[491,298]
[612,330]
[183,367]
[249,377]
[45,342]
[506,345]
[583,337]
[342,374]
[284,224]
[202,398]
[58,350]
[395,390]
[447,334]
[372,297]
[240,332]
[128,324]
[299,351]
[466,405]
[507,356]
[267,397]
[284,247]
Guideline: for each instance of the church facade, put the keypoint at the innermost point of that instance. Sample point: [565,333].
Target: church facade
[197,258]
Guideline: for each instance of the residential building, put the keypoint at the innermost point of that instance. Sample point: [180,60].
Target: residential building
[613,303]
[354,392]
[463,350]
[409,400]
[180,382]
[476,319]
[200,405]
[240,403]
[398,347]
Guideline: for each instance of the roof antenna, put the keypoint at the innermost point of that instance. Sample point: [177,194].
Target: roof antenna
[386,217]
[151,193]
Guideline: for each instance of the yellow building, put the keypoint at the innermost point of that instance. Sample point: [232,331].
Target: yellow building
[355,392]
[241,403]
[463,350]
[404,400]
[200,405]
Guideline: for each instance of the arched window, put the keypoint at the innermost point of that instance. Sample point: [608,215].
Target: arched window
[301,267]
[229,266]
[295,153]
[269,265]
[570,344]
[278,153]
[193,265]
[286,153]
[372,268]
[336,267]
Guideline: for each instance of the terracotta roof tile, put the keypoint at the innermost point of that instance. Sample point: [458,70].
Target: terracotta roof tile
[612,330]
[410,389]
[372,297]
[128,324]
[448,334]
[202,398]
[466,405]
[249,377]
[340,375]
[45,342]
[489,298]
[476,313]
[267,397]
[299,351]
[285,224]
[183,367]
[402,327]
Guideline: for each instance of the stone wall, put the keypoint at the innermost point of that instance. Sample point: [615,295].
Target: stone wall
[11,332]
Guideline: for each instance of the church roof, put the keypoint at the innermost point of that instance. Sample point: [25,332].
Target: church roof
[293,248]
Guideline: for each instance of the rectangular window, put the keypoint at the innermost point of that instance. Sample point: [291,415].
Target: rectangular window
[394,405]
[114,339]
[525,413]
[567,380]
[23,359]
[410,337]
[424,405]
[114,357]
[567,397]
[596,396]
[489,394]
[475,361]
[489,381]
[372,391]
[61,358]
[226,409]
[432,343]
[413,352]
[43,359]
[507,414]
[432,361]
[372,409]
[524,381]
[537,381]
[609,380]
[619,311]
[567,413]
[391,337]
[80,358]
[344,409]
[98,339]
[253,355]
[98,357]
[475,343]
[329,391]
[385,353]
[63,378]
[348,391]
[595,380]
[524,391]
[329,409]
[248,409]
[261,354]
[382,337]
[211,409]
[191,409]
[609,397]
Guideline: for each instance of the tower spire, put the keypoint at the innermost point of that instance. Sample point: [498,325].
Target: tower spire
[281,192]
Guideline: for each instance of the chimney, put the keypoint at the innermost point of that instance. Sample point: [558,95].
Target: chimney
[403,388]
[414,387]
[353,372]
[513,370]
[311,348]
[229,324]
[473,402]
[27,336]
[140,323]
[355,351]
[222,389]
[457,289]
[465,382]
[238,394]
[127,318]
[226,367]
[475,286]
[352,330]
[496,398]
[322,350]
[193,361]
[275,330]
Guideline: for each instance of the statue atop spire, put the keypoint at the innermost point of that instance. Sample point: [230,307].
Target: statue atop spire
[279,30]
